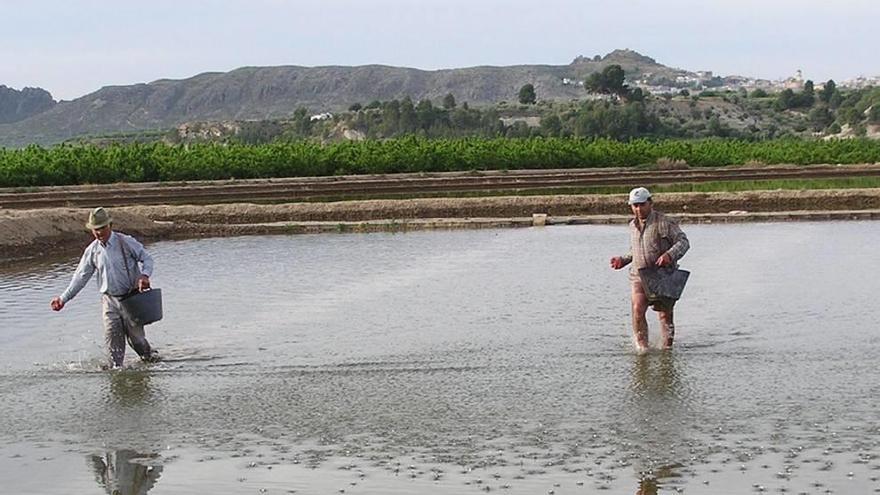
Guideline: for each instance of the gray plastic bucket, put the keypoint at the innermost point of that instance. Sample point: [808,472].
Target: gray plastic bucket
[145,307]
[663,283]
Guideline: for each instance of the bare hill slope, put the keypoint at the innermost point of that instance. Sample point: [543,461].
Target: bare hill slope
[276,92]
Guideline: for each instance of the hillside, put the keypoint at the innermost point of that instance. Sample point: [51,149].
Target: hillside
[259,93]
[18,105]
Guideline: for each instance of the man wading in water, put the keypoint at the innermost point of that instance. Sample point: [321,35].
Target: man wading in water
[655,240]
[123,266]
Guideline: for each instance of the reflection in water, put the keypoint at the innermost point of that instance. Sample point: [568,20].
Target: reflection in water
[654,376]
[647,487]
[658,412]
[125,472]
[129,387]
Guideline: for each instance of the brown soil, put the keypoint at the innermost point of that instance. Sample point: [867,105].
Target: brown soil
[402,186]
[26,233]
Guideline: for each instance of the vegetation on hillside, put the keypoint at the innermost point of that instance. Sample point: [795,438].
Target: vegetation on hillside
[610,109]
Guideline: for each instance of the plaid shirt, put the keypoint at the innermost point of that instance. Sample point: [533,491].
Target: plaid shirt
[660,234]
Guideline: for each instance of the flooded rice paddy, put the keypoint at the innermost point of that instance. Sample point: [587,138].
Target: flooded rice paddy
[455,362]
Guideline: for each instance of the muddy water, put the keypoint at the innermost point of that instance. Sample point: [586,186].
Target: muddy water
[455,362]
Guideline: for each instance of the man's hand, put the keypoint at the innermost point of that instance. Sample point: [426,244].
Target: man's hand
[143,283]
[664,260]
[57,304]
[617,263]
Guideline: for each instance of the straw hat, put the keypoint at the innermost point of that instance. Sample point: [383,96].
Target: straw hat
[99,218]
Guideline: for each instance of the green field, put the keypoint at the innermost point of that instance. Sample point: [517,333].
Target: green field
[88,164]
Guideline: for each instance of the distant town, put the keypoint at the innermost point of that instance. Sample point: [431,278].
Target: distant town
[706,80]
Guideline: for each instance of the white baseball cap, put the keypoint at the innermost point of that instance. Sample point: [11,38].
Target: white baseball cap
[639,195]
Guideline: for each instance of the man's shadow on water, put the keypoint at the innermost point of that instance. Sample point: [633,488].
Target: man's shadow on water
[125,472]
[658,408]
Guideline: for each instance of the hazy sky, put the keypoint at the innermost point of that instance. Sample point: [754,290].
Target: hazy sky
[74,47]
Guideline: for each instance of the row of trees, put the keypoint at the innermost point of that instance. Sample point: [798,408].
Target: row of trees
[398,118]
[623,119]
[829,95]
[404,117]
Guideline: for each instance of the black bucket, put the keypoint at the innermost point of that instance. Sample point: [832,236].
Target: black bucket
[663,284]
[144,307]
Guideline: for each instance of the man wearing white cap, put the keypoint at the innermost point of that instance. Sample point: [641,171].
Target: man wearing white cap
[123,266]
[655,240]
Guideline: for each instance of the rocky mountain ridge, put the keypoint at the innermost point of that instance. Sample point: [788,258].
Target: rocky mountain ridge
[257,93]
[18,105]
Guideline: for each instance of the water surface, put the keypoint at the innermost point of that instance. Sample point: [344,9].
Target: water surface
[455,362]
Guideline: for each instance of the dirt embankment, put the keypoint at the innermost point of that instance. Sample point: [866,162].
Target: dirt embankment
[29,232]
[512,206]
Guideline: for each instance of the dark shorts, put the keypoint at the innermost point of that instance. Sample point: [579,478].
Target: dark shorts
[663,304]
[657,304]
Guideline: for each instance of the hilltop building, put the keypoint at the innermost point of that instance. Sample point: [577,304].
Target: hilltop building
[795,82]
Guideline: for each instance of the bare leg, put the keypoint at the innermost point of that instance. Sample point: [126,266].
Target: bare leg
[667,328]
[640,323]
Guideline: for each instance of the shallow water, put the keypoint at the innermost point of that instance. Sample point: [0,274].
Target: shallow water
[455,362]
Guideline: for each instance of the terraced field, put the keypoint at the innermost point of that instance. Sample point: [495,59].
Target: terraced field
[453,184]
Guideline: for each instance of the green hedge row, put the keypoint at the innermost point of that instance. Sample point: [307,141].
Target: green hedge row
[66,164]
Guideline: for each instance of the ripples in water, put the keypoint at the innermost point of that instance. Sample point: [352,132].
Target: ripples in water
[461,361]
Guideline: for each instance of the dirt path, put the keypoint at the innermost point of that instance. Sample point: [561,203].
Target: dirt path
[27,233]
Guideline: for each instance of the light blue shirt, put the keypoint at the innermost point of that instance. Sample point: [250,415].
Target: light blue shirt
[109,262]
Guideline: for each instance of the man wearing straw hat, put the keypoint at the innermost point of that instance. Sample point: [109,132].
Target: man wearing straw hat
[655,240]
[123,266]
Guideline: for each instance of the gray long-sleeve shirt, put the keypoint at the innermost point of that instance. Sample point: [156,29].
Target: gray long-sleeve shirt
[109,262]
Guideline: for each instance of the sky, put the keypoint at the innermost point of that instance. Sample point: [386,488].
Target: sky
[72,48]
